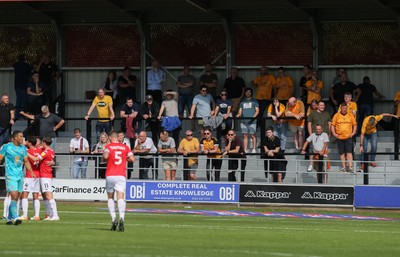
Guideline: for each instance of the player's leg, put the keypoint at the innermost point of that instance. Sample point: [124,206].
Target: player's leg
[110,181]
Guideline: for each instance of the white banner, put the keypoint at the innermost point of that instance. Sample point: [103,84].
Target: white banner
[79,189]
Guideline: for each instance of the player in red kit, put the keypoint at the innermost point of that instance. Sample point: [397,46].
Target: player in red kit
[46,177]
[116,154]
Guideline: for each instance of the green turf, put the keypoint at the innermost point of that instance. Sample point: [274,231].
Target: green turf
[84,231]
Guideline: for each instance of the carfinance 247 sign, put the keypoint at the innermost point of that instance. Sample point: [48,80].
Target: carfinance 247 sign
[176,191]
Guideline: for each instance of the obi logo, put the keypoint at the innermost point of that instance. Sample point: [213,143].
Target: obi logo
[227,193]
[138,191]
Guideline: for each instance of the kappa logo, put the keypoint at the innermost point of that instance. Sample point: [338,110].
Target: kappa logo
[250,194]
[324,196]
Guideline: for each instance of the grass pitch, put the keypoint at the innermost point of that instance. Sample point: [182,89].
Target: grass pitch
[84,230]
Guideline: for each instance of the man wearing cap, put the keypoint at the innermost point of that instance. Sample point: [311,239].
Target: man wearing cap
[149,111]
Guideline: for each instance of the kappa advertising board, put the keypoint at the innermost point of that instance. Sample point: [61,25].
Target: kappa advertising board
[79,189]
[296,194]
[182,191]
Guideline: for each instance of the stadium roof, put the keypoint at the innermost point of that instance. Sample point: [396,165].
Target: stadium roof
[192,11]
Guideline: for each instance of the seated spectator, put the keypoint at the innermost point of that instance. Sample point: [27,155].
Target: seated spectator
[79,145]
[189,146]
[99,149]
[166,145]
[275,162]
[249,110]
[276,110]
[169,112]
[235,151]
[144,145]
[210,146]
[319,144]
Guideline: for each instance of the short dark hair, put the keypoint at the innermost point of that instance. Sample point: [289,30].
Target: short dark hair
[47,140]
[77,130]
[15,133]
[270,128]
[248,89]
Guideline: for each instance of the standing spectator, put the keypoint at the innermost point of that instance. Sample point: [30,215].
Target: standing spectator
[302,86]
[234,86]
[49,74]
[319,144]
[15,156]
[116,155]
[335,81]
[203,105]
[264,85]
[274,157]
[295,108]
[166,145]
[210,146]
[126,85]
[276,110]
[143,146]
[129,111]
[104,105]
[99,149]
[149,112]
[79,145]
[314,87]
[338,90]
[185,84]
[351,106]
[188,146]
[7,117]
[364,97]
[155,80]
[235,151]
[249,110]
[111,86]
[397,103]
[22,72]
[319,116]
[312,107]
[48,124]
[344,127]
[224,108]
[170,120]
[35,94]
[210,80]
[369,134]
[283,86]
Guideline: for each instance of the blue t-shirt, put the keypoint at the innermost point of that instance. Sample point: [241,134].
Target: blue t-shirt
[223,105]
[249,109]
[14,159]
[203,105]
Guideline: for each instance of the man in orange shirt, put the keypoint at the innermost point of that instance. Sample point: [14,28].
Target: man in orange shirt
[314,87]
[283,86]
[264,85]
[369,134]
[344,127]
[295,108]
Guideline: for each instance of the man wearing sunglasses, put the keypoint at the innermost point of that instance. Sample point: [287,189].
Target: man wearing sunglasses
[189,146]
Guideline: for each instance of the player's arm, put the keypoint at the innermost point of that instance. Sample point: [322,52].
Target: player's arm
[131,157]
[1,157]
[106,154]
[28,166]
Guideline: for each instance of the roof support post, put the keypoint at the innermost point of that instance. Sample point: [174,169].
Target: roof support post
[143,50]
[316,32]
[230,46]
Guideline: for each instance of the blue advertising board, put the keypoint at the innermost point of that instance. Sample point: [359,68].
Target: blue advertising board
[181,191]
[377,196]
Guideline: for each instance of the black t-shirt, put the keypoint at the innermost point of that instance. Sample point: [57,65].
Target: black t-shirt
[125,92]
[129,110]
[22,74]
[339,90]
[234,87]
[46,73]
[5,114]
[367,93]
[272,144]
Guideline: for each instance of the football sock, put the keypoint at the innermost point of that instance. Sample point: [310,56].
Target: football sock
[47,207]
[121,208]
[7,201]
[36,206]
[24,204]
[53,206]
[111,208]
[13,210]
